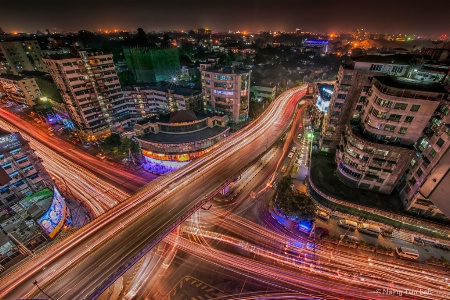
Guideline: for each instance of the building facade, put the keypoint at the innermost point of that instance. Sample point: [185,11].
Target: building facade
[261,92]
[169,143]
[20,89]
[376,150]
[16,57]
[350,91]
[90,88]
[425,186]
[150,99]
[227,91]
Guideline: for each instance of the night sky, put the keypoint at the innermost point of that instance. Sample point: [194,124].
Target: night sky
[430,17]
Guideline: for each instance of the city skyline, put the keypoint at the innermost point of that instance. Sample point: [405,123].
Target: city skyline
[324,16]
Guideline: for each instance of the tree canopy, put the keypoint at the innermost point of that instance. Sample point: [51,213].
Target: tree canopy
[118,146]
[292,203]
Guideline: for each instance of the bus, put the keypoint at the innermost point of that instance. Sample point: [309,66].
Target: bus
[407,253]
[369,229]
[351,225]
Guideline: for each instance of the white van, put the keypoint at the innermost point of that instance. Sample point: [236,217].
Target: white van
[369,229]
[407,253]
[290,155]
[348,224]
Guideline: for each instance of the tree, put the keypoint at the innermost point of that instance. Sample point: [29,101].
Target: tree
[119,147]
[292,203]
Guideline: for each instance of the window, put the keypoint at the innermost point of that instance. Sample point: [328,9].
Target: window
[415,107]
[440,142]
[366,88]
[362,99]
[347,77]
[342,96]
[394,117]
[432,153]
[376,67]
[403,130]
[419,172]
[401,106]
[409,119]
[390,128]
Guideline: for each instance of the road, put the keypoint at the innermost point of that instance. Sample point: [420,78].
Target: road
[115,174]
[74,268]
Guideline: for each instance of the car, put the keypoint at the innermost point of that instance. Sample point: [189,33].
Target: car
[299,136]
[290,155]
[51,134]
[294,149]
[51,129]
[101,156]
[37,120]
[283,169]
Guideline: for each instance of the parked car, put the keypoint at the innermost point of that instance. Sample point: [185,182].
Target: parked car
[101,156]
[37,120]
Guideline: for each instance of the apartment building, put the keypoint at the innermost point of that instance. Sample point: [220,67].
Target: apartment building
[150,99]
[90,88]
[375,150]
[262,92]
[17,56]
[23,168]
[426,185]
[226,91]
[20,89]
[350,91]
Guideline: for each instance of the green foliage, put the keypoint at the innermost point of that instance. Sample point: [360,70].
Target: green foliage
[292,203]
[118,147]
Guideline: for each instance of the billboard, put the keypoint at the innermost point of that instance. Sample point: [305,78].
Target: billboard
[10,141]
[53,220]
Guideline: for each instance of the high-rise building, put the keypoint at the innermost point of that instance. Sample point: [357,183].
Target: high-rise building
[227,91]
[90,88]
[152,65]
[425,187]
[375,150]
[350,92]
[391,131]
[16,57]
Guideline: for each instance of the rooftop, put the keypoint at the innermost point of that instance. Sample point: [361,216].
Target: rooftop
[228,70]
[182,116]
[411,84]
[165,87]
[166,138]
[399,59]
[61,56]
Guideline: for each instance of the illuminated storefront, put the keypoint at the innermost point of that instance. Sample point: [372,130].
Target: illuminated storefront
[168,146]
